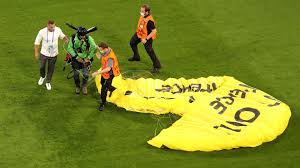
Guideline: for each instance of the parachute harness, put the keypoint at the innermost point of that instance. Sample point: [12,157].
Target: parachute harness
[68,62]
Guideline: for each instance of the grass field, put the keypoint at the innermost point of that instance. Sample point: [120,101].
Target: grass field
[256,41]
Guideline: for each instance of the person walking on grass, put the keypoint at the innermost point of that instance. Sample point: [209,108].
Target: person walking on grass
[145,33]
[48,53]
[82,48]
[109,70]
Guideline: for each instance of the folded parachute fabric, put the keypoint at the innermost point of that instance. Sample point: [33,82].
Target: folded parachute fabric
[217,112]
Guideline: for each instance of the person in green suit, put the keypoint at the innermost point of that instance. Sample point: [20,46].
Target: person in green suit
[82,48]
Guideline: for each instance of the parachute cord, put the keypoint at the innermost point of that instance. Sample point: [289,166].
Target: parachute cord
[160,123]
[159,119]
[124,74]
[137,74]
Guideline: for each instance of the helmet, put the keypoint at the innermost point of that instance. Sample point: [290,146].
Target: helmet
[81,31]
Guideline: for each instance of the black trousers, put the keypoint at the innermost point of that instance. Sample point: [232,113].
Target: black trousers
[148,46]
[51,65]
[106,85]
[77,66]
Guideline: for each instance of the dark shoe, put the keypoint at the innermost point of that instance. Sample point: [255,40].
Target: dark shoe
[155,71]
[111,92]
[84,90]
[101,107]
[134,59]
[77,90]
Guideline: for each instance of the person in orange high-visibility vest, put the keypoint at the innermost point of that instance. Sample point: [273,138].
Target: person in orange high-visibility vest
[145,33]
[109,70]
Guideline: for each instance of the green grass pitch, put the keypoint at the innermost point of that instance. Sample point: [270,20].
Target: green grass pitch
[256,41]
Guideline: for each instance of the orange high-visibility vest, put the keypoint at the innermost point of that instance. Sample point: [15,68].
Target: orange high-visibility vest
[141,29]
[104,64]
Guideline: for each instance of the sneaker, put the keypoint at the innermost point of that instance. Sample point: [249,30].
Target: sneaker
[134,59]
[48,86]
[41,81]
[77,90]
[84,90]
[101,107]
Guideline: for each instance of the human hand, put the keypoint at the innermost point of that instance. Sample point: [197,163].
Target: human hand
[80,60]
[144,41]
[37,56]
[95,74]
[87,60]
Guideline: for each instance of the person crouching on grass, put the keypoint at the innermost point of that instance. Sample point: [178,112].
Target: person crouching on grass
[109,70]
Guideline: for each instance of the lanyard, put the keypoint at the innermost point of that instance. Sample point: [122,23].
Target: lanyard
[52,36]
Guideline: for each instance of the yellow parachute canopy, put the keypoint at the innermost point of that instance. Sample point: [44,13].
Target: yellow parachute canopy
[217,112]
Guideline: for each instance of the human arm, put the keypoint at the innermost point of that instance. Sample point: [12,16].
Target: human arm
[152,29]
[63,37]
[70,48]
[93,48]
[37,43]
[105,70]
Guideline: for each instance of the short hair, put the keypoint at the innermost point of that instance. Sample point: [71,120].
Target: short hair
[51,22]
[103,45]
[146,7]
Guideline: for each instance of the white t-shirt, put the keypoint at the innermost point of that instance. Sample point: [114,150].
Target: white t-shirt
[49,41]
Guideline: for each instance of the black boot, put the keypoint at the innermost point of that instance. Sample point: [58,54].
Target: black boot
[101,107]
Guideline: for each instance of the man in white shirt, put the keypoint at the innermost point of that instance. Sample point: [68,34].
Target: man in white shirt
[49,50]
